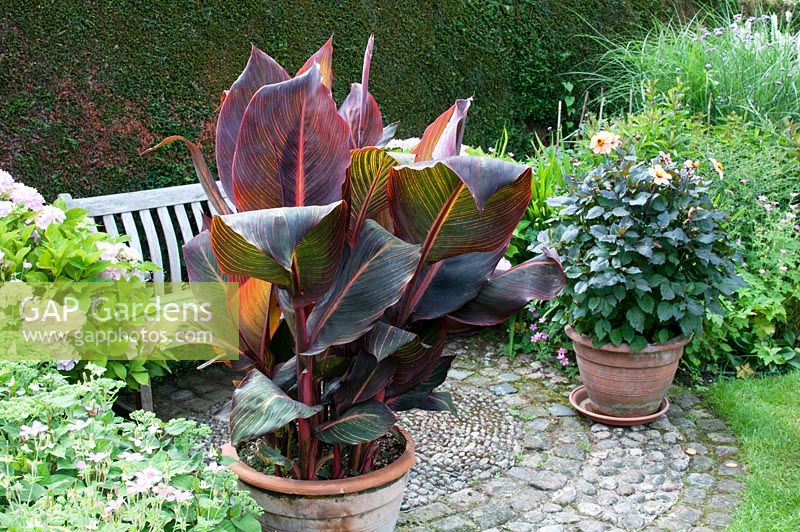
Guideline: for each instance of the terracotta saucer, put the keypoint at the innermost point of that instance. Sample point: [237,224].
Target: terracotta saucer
[580,401]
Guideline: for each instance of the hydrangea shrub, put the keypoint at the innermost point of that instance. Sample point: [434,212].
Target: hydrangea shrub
[46,243]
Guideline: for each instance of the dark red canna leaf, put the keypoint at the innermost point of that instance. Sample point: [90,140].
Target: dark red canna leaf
[324,58]
[207,181]
[384,339]
[361,423]
[292,148]
[296,247]
[366,378]
[360,110]
[372,280]
[451,283]
[261,70]
[442,138]
[509,291]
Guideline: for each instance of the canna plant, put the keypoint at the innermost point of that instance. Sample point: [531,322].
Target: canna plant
[350,267]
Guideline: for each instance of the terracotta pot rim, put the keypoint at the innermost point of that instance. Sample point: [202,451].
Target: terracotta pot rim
[290,486]
[677,342]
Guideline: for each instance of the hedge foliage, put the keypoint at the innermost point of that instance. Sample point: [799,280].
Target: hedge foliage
[86,85]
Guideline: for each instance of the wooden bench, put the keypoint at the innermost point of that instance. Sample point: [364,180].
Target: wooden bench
[158,223]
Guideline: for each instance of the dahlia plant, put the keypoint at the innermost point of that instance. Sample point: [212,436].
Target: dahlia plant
[645,249]
[350,267]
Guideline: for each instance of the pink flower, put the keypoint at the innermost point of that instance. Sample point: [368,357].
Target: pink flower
[763,198]
[35,429]
[539,337]
[65,365]
[27,196]
[532,327]
[49,215]
[604,142]
[666,157]
[114,505]
[783,268]
[659,175]
[131,457]
[6,181]
[151,475]
[81,465]
[115,274]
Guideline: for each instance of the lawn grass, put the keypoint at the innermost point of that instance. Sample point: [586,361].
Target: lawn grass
[764,414]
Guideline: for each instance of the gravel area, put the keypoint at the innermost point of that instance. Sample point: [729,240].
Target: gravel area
[518,458]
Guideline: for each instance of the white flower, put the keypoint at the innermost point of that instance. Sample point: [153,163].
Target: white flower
[35,428]
[79,425]
[109,251]
[114,505]
[96,457]
[213,467]
[6,181]
[6,207]
[403,144]
[49,215]
[131,457]
[130,254]
[95,370]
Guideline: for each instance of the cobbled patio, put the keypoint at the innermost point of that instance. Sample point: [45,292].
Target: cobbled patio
[518,457]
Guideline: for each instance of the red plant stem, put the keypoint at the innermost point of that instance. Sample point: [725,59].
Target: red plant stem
[306,443]
[336,469]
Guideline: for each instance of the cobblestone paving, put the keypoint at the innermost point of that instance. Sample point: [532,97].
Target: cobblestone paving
[518,458]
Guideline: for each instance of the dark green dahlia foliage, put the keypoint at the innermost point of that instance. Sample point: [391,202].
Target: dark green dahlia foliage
[350,265]
[645,251]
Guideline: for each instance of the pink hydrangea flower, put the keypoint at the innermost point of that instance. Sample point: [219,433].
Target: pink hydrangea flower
[66,365]
[27,196]
[49,215]
[115,274]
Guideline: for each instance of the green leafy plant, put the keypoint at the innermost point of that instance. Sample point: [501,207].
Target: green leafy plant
[645,250]
[49,243]
[368,262]
[70,464]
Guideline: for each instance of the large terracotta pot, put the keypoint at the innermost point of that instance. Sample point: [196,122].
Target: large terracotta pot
[368,502]
[625,383]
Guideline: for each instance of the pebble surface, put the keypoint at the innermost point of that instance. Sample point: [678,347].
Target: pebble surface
[518,458]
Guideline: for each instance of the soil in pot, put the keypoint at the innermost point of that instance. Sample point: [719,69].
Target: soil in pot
[390,448]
